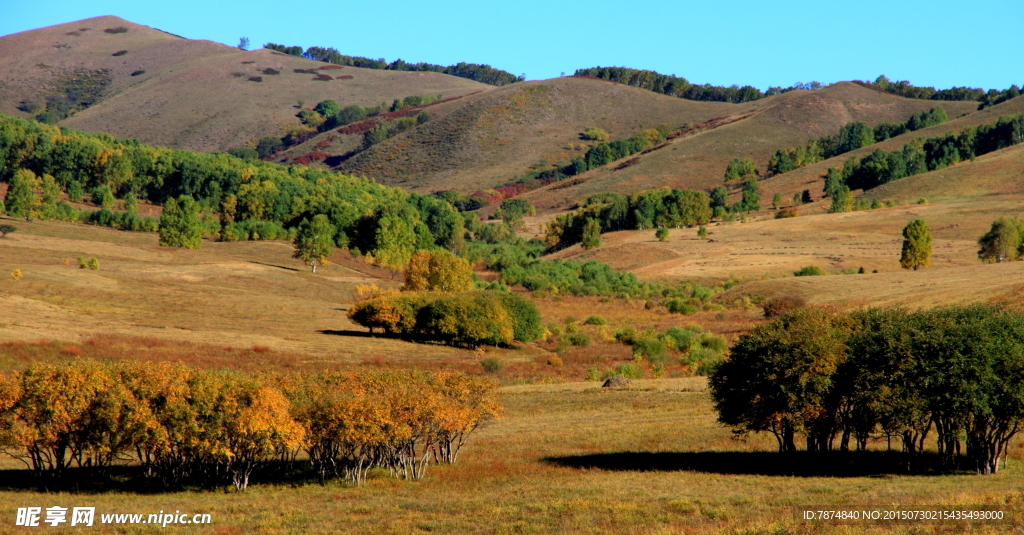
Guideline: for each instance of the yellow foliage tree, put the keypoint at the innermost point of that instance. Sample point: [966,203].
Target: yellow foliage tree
[439,271]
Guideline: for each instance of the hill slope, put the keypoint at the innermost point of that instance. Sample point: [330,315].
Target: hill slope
[196,95]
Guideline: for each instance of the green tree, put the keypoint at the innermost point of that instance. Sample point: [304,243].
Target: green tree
[591,234]
[702,233]
[1002,243]
[751,198]
[375,135]
[314,243]
[917,245]
[777,201]
[512,211]
[243,43]
[179,224]
[779,378]
[326,108]
[661,234]
[739,169]
[842,201]
[21,193]
[719,197]
[395,237]
[7,229]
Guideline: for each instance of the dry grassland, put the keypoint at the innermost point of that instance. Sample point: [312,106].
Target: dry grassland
[573,458]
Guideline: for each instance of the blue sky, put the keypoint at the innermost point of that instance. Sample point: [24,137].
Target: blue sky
[764,43]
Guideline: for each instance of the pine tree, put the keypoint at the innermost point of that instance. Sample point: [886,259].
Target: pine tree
[917,245]
[591,234]
[314,242]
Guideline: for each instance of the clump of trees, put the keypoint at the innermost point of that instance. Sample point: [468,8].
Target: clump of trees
[660,208]
[186,426]
[693,347]
[1004,242]
[850,137]
[955,372]
[923,155]
[437,303]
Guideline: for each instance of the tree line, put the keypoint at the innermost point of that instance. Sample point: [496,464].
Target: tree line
[477,72]
[186,426]
[904,88]
[681,87]
[850,137]
[923,155]
[957,372]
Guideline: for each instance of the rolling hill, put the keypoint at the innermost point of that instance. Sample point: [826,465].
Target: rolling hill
[189,94]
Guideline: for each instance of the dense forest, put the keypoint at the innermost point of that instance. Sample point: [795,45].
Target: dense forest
[480,73]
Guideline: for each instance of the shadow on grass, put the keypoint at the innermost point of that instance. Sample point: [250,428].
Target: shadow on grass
[274,266]
[133,479]
[357,334]
[798,464]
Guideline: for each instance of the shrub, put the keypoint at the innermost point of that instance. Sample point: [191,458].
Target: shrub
[777,306]
[648,347]
[787,212]
[808,271]
[16,274]
[255,78]
[118,29]
[94,263]
[554,361]
[595,134]
[595,320]
[679,305]
[578,339]
[491,365]
[661,234]
[7,229]
[138,72]
[119,53]
[629,370]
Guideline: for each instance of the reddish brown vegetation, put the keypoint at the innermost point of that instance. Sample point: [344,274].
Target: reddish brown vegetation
[311,157]
[778,306]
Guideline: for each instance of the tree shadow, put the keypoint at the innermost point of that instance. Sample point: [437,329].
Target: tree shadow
[133,479]
[356,334]
[274,265]
[795,464]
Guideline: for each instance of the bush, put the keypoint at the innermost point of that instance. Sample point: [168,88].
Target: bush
[777,306]
[595,320]
[594,133]
[679,305]
[649,347]
[629,370]
[661,234]
[808,271]
[787,212]
[94,263]
[491,365]
[578,339]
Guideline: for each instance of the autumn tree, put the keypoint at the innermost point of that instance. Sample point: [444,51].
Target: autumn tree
[439,271]
[917,245]
[314,242]
[179,224]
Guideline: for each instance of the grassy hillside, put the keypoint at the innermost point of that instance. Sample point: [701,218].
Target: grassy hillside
[195,95]
[761,128]
[999,174]
[499,135]
[485,140]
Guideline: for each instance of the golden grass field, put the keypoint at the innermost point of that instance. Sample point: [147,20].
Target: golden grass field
[523,474]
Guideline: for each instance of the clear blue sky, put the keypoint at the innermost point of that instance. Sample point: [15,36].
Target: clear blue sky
[762,43]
